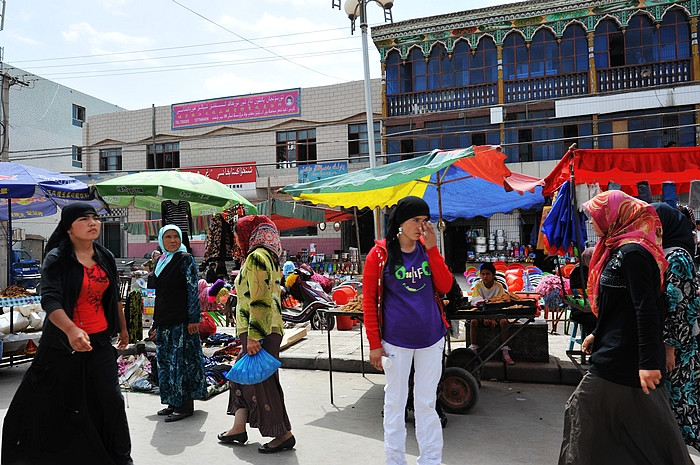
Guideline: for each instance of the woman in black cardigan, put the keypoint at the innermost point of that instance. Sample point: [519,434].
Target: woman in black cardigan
[69,408]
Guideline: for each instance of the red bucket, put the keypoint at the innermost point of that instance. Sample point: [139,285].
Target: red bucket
[343,323]
[343,295]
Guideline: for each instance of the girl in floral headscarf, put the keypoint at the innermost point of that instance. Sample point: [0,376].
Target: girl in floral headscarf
[620,413]
[259,324]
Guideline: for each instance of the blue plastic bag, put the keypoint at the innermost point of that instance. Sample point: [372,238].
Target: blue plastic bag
[253,369]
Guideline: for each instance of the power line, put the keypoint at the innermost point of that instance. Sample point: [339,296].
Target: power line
[187,55]
[251,42]
[167,68]
[426,132]
[179,47]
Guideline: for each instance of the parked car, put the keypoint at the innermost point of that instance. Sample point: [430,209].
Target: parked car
[25,269]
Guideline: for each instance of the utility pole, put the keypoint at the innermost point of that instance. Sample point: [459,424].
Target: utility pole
[7,82]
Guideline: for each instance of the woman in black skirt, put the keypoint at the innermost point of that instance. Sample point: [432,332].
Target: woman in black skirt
[69,408]
[619,413]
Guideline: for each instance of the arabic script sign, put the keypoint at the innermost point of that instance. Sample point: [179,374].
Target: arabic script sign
[278,104]
[318,171]
[236,175]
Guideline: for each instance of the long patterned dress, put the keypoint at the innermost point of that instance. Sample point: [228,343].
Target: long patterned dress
[682,304]
[179,353]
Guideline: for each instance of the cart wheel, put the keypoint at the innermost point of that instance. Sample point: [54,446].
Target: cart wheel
[458,391]
[319,322]
[465,358]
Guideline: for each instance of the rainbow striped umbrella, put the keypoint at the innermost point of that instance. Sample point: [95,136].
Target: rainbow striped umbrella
[461,183]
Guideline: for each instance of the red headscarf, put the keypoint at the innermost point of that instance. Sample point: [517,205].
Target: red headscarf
[257,231]
[623,220]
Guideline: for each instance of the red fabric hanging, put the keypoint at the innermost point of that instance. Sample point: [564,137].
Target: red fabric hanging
[627,167]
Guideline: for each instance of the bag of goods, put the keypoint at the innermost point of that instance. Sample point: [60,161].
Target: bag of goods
[19,322]
[36,320]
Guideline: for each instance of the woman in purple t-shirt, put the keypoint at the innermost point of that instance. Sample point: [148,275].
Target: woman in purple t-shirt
[406,327]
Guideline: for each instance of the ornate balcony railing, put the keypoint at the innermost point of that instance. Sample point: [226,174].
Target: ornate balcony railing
[413,103]
[540,88]
[545,87]
[646,75]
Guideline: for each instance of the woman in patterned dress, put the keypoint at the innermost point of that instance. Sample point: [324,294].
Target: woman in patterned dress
[680,322]
[176,315]
[259,324]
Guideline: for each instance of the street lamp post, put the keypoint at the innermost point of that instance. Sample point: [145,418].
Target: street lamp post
[355,8]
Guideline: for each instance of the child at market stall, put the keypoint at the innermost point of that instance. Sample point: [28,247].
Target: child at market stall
[486,289]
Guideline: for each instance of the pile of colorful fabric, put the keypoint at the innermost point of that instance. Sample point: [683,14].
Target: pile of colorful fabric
[138,372]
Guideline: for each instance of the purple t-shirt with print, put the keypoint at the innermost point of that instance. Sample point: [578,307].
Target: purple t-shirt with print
[411,315]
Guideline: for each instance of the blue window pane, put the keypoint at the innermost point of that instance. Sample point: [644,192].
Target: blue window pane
[568,65]
[635,124]
[582,63]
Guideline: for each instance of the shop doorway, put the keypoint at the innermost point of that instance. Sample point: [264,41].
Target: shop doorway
[459,241]
[111,238]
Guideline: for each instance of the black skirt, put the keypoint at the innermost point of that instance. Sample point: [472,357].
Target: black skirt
[264,401]
[68,410]
[609,423]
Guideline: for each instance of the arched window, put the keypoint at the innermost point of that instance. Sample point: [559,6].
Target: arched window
[440,69]
[392,66]
[484,62]
[674,35]
[419,69]
[515,57]
[641,41]
[573,50]
[462,63]
[608,45]
[544,54]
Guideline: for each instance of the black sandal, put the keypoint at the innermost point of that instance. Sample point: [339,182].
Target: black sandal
[166,411]
[177,416]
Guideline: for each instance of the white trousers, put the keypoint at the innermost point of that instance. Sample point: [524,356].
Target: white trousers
[428,369]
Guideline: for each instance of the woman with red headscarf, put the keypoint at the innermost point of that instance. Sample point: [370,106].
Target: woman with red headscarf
[619,413]
[259,323]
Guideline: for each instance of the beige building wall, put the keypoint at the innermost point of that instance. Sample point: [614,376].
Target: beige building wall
[327,109]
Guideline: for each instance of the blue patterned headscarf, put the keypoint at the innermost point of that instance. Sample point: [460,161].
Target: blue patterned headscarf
[167,256]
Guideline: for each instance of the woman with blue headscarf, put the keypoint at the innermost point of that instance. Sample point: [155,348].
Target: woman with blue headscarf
[176,316]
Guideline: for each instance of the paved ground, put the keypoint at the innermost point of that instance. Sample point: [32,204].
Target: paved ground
[513,422]
[349,432]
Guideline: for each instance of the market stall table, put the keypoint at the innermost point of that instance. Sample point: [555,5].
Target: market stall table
[519,312]
[330,312]
[13,352]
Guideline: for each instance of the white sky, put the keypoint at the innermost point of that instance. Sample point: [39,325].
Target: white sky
[135,53]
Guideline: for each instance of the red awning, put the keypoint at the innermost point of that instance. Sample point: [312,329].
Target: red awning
[627,167]
[287,222]
[520,182]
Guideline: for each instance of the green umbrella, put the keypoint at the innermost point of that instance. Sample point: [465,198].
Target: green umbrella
[149,188]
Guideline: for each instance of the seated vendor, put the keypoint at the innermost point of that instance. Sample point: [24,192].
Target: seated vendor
[486,289]
[579,281]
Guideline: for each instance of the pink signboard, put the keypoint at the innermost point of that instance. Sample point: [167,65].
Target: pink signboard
[278,104]
[235,175]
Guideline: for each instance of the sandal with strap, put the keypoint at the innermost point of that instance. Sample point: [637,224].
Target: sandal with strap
[506,358]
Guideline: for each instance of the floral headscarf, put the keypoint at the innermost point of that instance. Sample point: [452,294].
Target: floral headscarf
[258,231]
[623,220]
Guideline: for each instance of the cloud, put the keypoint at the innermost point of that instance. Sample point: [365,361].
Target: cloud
[23,39]
[85,32]
[114,7]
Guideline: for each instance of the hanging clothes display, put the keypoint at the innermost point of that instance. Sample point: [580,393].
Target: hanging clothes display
[220,245]
[178,212]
